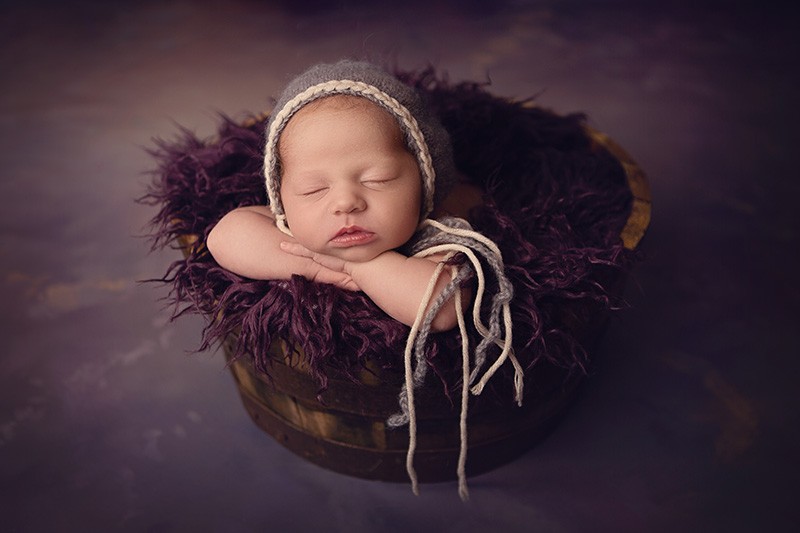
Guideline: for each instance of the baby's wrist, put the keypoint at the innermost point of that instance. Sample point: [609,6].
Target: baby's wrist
[382,262]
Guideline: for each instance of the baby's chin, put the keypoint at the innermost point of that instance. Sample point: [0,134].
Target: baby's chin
[355,254]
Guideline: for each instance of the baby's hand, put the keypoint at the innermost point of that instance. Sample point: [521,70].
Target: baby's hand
[328,261]
[330,269]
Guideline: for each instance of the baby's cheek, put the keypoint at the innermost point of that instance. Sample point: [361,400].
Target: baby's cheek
[305,235]
[313,245]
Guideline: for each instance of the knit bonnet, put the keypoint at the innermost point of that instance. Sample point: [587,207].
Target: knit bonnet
[424,136]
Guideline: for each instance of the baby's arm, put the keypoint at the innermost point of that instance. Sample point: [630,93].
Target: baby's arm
[247,242]
[395,283]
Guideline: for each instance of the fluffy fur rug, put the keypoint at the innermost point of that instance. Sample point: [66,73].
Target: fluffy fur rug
[556,206]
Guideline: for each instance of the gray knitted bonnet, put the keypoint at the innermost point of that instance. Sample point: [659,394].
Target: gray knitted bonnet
[424,136]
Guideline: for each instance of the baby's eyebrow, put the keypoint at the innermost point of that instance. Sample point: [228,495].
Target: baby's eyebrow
[303,177]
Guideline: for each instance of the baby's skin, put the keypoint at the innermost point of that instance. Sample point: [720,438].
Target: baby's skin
[352,195]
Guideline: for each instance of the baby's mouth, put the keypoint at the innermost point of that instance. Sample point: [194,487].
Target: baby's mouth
[351,236]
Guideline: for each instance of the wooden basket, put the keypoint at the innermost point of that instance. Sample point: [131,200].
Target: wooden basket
[344,429]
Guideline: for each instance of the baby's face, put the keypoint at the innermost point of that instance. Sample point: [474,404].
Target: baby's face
[349,186]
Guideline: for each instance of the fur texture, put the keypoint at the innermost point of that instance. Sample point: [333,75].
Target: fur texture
[556,208]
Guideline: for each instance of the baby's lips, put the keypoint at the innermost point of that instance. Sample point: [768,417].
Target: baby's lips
[352,236]
[349,229]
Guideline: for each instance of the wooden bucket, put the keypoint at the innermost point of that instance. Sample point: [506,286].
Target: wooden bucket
[344,429]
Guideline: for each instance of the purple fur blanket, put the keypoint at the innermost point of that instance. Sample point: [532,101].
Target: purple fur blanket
[556,207]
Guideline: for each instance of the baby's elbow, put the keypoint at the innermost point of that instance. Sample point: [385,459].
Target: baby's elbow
[445,320]
[213,241]
[218,241]
[220,238]
[447,317]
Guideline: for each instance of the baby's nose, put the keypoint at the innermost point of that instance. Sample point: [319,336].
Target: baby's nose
[348,200]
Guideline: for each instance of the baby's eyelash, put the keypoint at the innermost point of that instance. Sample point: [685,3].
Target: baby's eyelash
[313,192]
[379,180]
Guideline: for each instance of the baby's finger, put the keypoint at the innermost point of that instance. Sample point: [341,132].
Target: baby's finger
[297,249]
[339,279]
[349,284]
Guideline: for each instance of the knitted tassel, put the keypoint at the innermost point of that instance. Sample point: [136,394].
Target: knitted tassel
[455,235]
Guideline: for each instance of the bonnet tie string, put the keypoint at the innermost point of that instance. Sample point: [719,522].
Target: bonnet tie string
[456,236]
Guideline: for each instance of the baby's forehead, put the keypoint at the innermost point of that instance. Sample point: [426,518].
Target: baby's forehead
[341,102]
[347,105]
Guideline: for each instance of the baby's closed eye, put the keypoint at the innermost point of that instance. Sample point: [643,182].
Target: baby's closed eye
[313,191]
[377,183]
